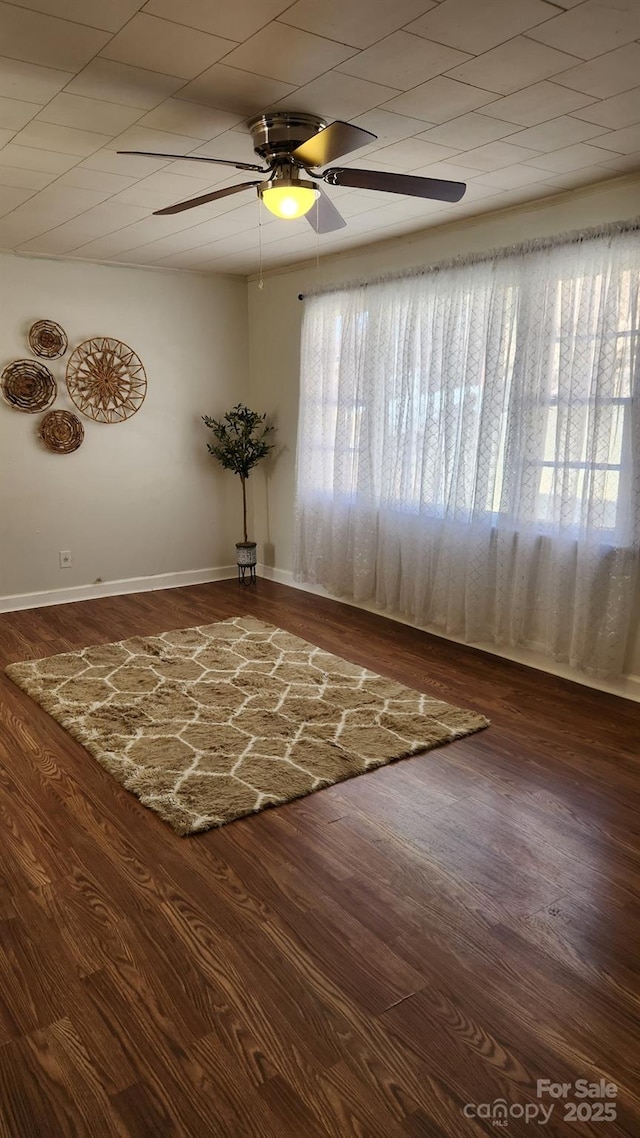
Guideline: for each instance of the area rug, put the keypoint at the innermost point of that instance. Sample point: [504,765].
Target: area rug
[208,724]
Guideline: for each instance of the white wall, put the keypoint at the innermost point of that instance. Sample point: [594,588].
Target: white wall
[138,498]
[275,316]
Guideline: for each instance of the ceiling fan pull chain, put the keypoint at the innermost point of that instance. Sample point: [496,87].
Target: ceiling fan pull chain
[260,278]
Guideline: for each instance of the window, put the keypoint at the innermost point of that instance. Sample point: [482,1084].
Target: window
[496,402]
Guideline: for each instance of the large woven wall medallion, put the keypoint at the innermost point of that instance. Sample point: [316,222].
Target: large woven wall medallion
[47,339]
[28,386]
[61,432]
[106,380]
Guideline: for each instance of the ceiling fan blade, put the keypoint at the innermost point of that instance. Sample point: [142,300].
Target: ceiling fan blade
[203,199]
[332,142]
[409,184]
[197,158]
[323,216]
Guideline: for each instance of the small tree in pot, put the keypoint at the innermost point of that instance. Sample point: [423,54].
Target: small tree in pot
[241,443]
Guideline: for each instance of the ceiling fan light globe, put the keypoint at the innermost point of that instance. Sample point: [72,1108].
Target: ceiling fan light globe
[289,202]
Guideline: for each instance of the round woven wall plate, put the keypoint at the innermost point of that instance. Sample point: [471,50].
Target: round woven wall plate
[61,432]
[47,339]
[106,380]
[28,386]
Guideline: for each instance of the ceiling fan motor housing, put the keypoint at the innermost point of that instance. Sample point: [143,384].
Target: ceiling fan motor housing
[276,134]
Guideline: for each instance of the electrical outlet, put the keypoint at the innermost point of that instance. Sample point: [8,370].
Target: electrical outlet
[65,558]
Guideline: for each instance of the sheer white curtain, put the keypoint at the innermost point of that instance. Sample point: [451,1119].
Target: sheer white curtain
[469,447]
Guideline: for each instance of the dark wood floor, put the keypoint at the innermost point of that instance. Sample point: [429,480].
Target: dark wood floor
[364,961]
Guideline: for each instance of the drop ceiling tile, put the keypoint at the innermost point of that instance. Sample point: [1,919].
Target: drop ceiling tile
[35,38]
[29,82]
[474,27]
[402,60]
[60,139]
[337,96]
[11,197]
[160,190]
[511,177]
[160,45]
[410,154]
[6,135]
[100,221]
[83,179]
[25,179]
[103,248]
[185,259]
[476,192]
[593,28]
[537,104]
[233,90]
[195,120]
[513,65]
[289,54]
[622,163]
[233,21]
[439,100]
[348,21]
[146,138]
[374,162]
[109,162]
[147,200]
[352,205]
[493,156]
[174,185]
[232,145]
[14,114]
[528,194]
[30,158]
[608,75]
[625,141]
[218,176]
[232,266]
[619,111]
[97,222]
[118,83]
[585,176]
[571,158]
[388,127]
[234,245]
[130,237]
[189,239]
[88,114]
[45,210]
[553,135]
[447,170]
[469,131]
[109,15]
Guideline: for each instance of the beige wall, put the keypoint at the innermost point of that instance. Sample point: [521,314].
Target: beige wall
[275,316]
[142,497]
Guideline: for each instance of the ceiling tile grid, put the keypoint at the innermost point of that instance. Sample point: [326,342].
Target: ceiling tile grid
[519,98]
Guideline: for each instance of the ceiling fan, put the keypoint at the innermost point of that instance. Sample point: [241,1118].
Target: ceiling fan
[295,144]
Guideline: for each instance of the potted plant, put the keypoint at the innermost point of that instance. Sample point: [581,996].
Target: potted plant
[240,443]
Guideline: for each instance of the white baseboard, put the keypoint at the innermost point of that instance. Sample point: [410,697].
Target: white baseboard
[627,685]
[115,588]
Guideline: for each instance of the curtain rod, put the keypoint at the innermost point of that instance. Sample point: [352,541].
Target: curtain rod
[573,237]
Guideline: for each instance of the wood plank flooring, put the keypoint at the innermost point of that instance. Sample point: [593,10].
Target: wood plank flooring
[362,962]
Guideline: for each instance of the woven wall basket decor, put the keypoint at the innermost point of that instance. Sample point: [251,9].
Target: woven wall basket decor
[106,380]
[61,432]
[28,386]
[47,339]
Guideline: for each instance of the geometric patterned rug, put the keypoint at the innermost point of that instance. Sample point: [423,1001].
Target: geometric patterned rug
[206,725]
